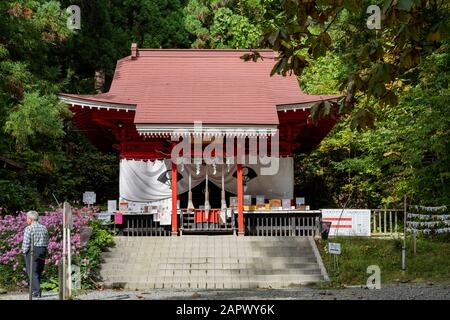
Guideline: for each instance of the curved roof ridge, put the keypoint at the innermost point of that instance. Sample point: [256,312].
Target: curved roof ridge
[208,85]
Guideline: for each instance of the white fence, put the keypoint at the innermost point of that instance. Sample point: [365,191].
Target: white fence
[386,222]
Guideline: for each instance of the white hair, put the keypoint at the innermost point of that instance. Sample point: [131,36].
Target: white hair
[33,215]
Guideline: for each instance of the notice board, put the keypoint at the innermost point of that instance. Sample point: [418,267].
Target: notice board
[348,222]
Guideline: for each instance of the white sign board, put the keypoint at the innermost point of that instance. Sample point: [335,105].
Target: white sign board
[89,197]
[105,217]
[348,222]
[166,217]
[334,248]
[112,206]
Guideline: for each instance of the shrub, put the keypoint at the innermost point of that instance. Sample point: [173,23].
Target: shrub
[12,262]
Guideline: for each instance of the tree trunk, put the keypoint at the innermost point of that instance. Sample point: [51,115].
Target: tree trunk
[99,80]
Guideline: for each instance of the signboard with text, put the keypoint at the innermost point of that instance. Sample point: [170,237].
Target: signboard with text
[348,222]
[105,217]
[89,197]
[112,206]
[334,248]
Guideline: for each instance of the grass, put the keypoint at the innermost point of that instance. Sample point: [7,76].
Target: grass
[430,263]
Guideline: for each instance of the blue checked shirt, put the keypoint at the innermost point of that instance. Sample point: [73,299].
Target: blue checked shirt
[40,236]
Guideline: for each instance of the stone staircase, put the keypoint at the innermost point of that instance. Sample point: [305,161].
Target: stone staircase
[211,262]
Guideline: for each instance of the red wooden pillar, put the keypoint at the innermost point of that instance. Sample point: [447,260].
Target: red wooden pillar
[240,196]
[174,200]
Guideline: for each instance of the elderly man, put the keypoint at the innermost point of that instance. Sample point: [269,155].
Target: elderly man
[36,234]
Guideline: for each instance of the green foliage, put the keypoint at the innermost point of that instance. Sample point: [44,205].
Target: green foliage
[36,116]
[231,30]
[51,284]
[40,57]
[381,60]
[405,64]
[90,258]
[225,24]
[322,76]
[405,153]
[107,31]
[9,277]
[431,263]
[16,196]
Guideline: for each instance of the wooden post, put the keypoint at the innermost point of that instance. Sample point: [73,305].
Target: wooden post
[240,195]
[374,221]
[30,268]
[174,200]
[64,260]
[69,266]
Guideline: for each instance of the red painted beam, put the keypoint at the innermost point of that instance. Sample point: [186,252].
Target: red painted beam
[174,200]
[142,155]
[240,195]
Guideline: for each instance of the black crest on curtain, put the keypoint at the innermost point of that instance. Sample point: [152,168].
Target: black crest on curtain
[166,178]
[247,174]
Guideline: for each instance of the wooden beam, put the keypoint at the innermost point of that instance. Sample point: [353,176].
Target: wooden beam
[240,195]
[174,200]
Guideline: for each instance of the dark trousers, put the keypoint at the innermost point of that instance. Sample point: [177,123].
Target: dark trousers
[38,266]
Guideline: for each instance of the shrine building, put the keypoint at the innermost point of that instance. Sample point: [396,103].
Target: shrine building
[168,108]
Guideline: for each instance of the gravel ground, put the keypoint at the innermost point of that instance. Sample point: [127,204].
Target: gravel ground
[400,291]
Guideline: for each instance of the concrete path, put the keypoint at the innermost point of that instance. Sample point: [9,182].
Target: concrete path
[401,291]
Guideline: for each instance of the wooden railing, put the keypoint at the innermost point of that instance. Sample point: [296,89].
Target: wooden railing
[257,223]
[216,221]
[386,221]
[282,223]
[142,225]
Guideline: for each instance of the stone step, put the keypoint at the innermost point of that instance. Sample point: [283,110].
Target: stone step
[136,250]
[196,251]
[223,262]
[302,268]
[209,255]
[206,277]
[208,285]
[208,261]
[145,285]
[214,260]
[186,266]
[200,278]
[141,268]
[109,276]
[205,245]
[185,256]
[205,253]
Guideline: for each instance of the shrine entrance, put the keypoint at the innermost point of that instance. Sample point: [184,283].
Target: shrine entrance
[197,221]
[148,111]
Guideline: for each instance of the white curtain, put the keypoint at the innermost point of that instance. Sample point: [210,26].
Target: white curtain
[144,181]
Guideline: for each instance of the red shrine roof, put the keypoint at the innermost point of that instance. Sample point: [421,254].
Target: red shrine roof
[176,86]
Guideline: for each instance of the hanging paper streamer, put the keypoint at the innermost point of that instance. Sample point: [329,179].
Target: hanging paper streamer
[190,206]
[207,205]
[223,200]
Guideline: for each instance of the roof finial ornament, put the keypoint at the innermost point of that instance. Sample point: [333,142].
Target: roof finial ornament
[134,51]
